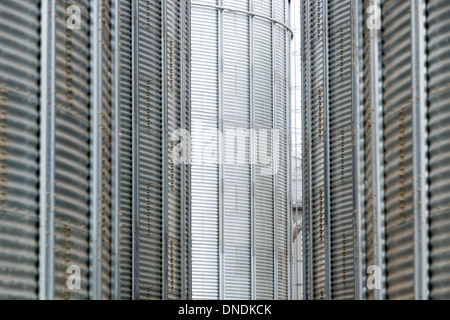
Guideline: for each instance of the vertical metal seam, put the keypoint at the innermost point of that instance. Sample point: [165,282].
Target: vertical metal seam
[378,155]
[115,251]
[135,150]
[310,182]
[303,66]
[275,149]
[164,151]
[304,153]
[221,156]
[96,107]
[47,158]
[252,152]
[188,168]
[288,151]
[420,174]
[182,165]
[327,213]
[358,162]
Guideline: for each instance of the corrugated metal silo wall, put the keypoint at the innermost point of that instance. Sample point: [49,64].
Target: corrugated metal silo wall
[396,82]
[263,120]
[205,123]
[328,160]
[402,71]
[125,43]
[283,174]
[240,85]
[306,153]
[71,157]
[150,109]
[439,146]
[340,144]
[236,176]
[69,195]
[19,163]
[373,144]
[162,109]
[398,157]
[318,219]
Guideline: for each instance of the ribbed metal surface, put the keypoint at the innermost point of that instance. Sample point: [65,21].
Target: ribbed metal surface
[72,129]
[398,149]
[185,186]
[72,97]
[341,158]
[177,68]
[401,223]
[19,108]
[439,146]
[225,263]
[358,149]
[317,211]
[368,151]
[126,160]
[150,115]
[162,75]
[282,154]
[236,118]
[174,172]
[306,76]
[264,244]
[205,192]
[106,158]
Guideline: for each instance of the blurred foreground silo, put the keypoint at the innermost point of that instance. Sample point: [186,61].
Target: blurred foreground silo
[88,185]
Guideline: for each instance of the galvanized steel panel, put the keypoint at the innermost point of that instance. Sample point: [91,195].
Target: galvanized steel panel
[72,129]
[264,185]
[306,149]
[185,186]
[230,275]
[358,149]
[369,193]
[204,173]
[282,154]
[439,146]
[317,211]
[126,160]
[162,73]
[19,107]
[150,117]
[372,151]
[82,148]
[341,158]
[173,83]
[397,109]
[101,153]
[236,119]
[177,59]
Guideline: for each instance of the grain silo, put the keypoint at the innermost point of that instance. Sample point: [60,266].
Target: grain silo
[241,149]
[327,151]
[385,233]
[161,105]
[90,92]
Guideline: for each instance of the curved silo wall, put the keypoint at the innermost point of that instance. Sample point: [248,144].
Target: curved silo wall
[161,191]
[399,102]
[88,178]
[240,204]
[19,99]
